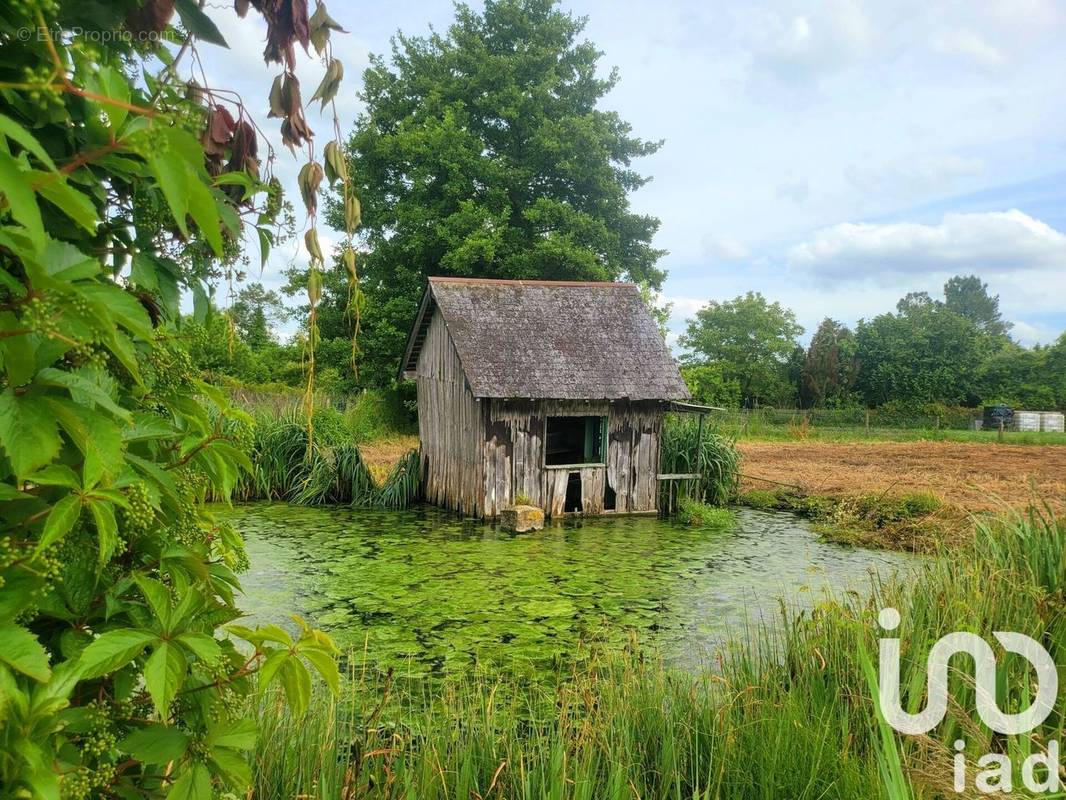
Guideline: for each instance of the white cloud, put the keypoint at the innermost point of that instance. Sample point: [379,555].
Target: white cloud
[723,248]
[917,176]
[799,48]
[988,242]
[970,45]
[1029,334]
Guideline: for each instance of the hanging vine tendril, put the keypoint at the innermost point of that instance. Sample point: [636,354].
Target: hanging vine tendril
[288,23]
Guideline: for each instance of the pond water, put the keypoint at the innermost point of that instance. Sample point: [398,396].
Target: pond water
[428,592]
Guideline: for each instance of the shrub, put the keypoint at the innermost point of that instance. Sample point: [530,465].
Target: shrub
[376,414]
[330,427]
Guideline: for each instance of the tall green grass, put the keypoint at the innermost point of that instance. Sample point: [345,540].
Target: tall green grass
[785,711]
[715,457]
[329,472]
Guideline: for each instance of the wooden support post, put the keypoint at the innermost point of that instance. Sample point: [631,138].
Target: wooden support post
[699,458]
[999,436]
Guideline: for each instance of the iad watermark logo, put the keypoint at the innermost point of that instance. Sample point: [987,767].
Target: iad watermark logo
[996,773]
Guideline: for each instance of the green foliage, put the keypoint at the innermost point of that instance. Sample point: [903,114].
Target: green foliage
[830,367]
[483,152]
[254,313]
[785,710]
[708,385]
[751,340]
[330,426]
[116,676]
[968,296]
[375,414]
[221,351]
[404,483]
[927,353]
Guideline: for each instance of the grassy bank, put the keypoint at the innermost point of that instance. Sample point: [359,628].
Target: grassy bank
[785,712]
[947,424]
[916,522]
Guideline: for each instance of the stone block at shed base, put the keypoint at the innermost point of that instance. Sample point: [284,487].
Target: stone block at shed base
[521,519]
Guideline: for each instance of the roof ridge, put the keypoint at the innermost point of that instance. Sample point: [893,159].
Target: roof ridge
[523,282]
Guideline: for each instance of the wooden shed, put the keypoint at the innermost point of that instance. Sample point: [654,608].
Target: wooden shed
[548,392]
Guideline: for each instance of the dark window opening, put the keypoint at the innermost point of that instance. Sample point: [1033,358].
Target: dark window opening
[575,440]
[609,500]
[572,502]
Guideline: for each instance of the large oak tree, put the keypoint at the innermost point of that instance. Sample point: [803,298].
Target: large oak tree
[483,152]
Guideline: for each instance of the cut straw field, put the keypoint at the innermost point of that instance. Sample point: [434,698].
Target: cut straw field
[970,477]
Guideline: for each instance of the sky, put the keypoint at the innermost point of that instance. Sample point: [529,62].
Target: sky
[831,155]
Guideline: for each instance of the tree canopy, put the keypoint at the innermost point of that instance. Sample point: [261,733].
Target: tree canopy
[483,152]
[753,341]
[924,354]
[830,366]
[968,296]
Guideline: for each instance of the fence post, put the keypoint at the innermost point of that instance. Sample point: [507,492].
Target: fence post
[999,436]
[867,422]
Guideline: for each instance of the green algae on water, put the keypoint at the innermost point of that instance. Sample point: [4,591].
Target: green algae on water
[425,592]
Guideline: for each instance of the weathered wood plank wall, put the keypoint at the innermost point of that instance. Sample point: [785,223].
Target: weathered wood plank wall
[517,448]
[479,455]
[450,420]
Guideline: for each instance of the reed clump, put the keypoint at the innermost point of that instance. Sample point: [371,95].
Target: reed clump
[686,448]
[329,471]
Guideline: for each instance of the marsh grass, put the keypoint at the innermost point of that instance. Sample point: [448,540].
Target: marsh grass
[785,711]
[329,472]
[715,458]
[702,515]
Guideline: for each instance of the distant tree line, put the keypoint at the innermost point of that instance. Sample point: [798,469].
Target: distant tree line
[953,351]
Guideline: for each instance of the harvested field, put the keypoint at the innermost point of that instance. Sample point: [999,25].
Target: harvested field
[970,477]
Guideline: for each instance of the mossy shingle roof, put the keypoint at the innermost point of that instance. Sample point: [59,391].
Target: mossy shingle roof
[551,339]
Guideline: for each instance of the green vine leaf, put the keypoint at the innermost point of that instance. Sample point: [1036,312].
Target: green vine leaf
[20,200]
[113,650]
[21,651]
[199,24]
[106,529]
[156,744]
[164,675]
[28,433]
[16,133]
[193,783]
[67,199]
[60,520]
